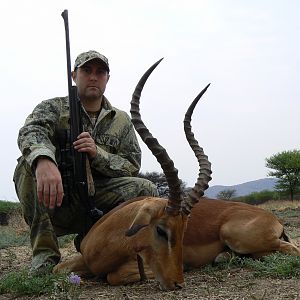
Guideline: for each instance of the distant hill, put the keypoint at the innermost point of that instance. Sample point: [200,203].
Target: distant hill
[243,188]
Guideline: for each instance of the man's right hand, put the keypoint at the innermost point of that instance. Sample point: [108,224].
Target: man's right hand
[49,183]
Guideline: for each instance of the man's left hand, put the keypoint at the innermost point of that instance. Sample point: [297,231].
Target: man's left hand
[85,143]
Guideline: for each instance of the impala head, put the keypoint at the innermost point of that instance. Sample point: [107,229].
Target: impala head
[157,238]
[159,225]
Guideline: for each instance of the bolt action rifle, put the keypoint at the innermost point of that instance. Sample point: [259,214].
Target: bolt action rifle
[82,176]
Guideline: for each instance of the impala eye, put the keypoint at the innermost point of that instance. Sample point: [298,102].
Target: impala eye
[161,232]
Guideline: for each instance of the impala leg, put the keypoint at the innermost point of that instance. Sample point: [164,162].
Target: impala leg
[127,273]
[283,247]
[256,236]
[224,256]
[75,264]
[288,248]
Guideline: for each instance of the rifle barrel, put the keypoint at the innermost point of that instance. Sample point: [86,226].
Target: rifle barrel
[64,14]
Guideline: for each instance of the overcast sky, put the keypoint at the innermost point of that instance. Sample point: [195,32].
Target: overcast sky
[248,50]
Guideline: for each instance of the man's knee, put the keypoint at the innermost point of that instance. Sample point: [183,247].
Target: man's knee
[25,188]
[23,179]
[146,187]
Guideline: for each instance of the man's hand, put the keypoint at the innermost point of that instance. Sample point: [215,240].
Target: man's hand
[85,143]
[49,183]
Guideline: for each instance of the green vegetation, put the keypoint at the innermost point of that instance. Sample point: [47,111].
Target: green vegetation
[286,167]
[19,283]
[226,194]
[258,197]
[57,286]
[276,265]
[14,235]
[9,207]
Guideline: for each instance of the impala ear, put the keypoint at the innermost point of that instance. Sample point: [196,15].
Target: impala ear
[134,229]
[142,219]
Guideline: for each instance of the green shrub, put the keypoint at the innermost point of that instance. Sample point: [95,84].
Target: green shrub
[276,265]
[19,283]
[259,197]
[9,207]
[56,286]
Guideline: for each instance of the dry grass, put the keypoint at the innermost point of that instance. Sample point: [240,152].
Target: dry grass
[280,205]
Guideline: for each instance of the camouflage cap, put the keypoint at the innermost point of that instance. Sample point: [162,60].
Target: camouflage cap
[84,57]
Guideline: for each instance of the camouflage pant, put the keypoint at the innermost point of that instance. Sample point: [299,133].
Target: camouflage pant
[71,217]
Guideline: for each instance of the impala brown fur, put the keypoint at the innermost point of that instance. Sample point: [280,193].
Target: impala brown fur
[136,228]
[213,228]
[216,226]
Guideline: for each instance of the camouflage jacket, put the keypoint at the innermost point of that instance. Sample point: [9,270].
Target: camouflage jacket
[118,152]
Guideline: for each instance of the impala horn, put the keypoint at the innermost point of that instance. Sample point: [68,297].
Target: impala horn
[167,165]
[204,165]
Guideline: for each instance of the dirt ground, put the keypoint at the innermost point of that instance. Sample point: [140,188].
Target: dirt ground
[226,284]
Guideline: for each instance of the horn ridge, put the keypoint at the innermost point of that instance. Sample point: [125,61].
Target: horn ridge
[160,153]
[204,175]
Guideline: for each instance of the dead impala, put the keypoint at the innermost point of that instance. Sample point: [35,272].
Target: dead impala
[169,234]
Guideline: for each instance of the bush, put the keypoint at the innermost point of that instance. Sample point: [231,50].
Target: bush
[9,207]
[259,197]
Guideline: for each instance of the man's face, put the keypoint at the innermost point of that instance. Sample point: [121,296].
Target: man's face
[91,80]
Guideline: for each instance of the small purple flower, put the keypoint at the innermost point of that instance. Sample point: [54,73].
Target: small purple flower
[74,279]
